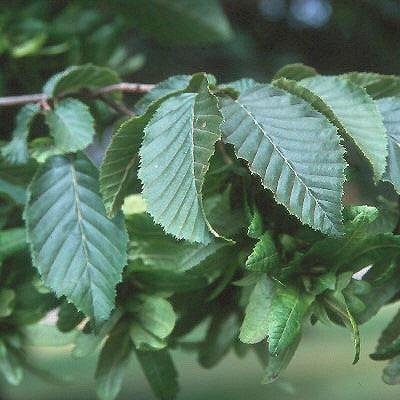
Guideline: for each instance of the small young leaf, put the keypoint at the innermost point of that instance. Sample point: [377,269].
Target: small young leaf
[255,324]
[7,298]
[278,363]
[78,251]
[160,373]
[80,77]
[111,367]
[265,256]
[9,365]
[16,152]
[288,310]
[71,125]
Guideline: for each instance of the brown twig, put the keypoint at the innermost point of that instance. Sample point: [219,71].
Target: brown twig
[42,97]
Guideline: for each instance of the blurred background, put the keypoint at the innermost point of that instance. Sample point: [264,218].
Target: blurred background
[148,41]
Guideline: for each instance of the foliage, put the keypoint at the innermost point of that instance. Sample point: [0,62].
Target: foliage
[217,205]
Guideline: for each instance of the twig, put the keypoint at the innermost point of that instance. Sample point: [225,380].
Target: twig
[42,97]
[116,105]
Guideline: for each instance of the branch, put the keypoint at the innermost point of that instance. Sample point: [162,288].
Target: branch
[42,97]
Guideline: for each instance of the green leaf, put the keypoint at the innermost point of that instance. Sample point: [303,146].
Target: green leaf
[256,227]
[194,22]
[9,365]
[12,241]
[281,137]
[71,125]
[336,302]
[164,88]
[278,363]
[121,158]
[175,154]
[111,367]
[221,335]
[296,72]
[16,152]
[391,373]
[390,110]
[353,111]
[154,248]
[240,85]
[155,320]
[160,373]
[265,256]
[76,78]
[376,85]
[255,324]
[288,310]
[68,317]
[43,148]
[389,342]
[7,299]
[78,251]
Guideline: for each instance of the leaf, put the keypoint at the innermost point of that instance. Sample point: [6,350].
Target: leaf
[256,227]
[389,342]
[152,246]
[121,158]
[390,110]
[9,365]
[78,251]
[295,72]
[376,85]
[160,373]
[277,364]
[16,152]
[43,148]
[111,367]
[164,88]
[71,125]
[175,154]
[76,78]
[155,320]
[353,111]
[265,256]
[255,324]
[7,299]
[337,303]
[194,22]
[240,85]
[68,317]
[281,137]
[391,373]
[12,241]
[288,310]
[221,334]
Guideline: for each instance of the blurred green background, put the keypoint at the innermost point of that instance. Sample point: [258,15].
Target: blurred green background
[39,38]
[320,370]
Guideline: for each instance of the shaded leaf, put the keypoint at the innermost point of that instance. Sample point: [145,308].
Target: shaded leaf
[16,152]
[296,72]
[160,373]
[265,256]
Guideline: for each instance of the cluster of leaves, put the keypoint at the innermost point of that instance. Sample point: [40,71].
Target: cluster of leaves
[232,233]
